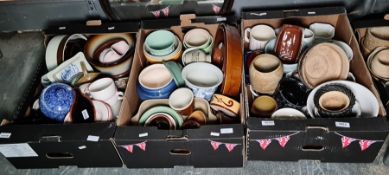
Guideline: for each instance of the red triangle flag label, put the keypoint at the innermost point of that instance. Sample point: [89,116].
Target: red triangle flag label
[142,146]
[165,11]
[156,13]
[215,145]
[364,144]
[283,140]
[230,146]
[129,148]
[346,141]
[263,143]
[216,9]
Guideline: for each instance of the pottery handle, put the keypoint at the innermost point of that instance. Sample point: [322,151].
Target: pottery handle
[246,35]
[120,95]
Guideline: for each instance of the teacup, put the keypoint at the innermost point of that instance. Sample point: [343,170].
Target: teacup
[198,38]
[225,104]
[195,120]
[56,101]
[258,36]
[102,89]
[265,73]
[194,55]
[289,43]
[202,78]
[323,30]
[182,101]
[335,100]
[263,106]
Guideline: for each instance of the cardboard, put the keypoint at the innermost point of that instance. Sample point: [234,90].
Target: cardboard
[328,140]
[57,144]
[211,145]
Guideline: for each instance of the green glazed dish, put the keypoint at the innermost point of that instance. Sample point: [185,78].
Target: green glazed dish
[161,109]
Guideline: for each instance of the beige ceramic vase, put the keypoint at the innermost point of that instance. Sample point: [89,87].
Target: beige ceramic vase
[265,71]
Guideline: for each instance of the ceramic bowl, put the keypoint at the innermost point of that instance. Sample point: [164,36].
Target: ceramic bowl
[175,55]
[202,78]
[263,106]
[378,63]
[288,114]
[292,93]
[56,100]
[163,93]
[225,104]
[161,109]
[83,109]
[161,121]
[115,68]
[323,30]
[367,102]
[323,62]
[160,42]
[155,77]
[197,37]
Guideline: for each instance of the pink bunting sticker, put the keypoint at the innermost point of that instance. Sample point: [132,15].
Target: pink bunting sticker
[263,143]
[215,145]
[283,140]
[230,146]
[346,141]
[142,146]
[156,13]
[165,11]
[129,148]
[216,9]
[364,144]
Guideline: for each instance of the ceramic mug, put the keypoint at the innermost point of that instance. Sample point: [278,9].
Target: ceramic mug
[195,55]
[115,103]
[182,101]
[323,30]
[263,106]
[289,43]
[265,73]
[225,104]
[102,89]
[258,36]
[202,78]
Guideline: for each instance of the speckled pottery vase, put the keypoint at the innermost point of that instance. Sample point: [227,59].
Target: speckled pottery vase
[56,100]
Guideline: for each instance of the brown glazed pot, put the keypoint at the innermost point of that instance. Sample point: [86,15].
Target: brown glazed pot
[289,43]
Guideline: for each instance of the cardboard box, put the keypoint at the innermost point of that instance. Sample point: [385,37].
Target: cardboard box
[319,138]
[148,147]
[30,141]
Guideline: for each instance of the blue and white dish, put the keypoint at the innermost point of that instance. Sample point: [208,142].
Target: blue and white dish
[163,93]
[56,100]
[202,78]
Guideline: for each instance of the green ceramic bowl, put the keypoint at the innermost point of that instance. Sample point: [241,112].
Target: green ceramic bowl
[161,109]
[160,42]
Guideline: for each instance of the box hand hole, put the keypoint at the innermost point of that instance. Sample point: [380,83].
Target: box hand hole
[317,127]
[174,138]
[50,139]
[180,152]
[58,155]
[312,148]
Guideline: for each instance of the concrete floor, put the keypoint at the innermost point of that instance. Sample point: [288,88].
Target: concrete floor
[303,167]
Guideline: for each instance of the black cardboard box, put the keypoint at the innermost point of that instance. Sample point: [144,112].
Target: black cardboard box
[148,147]
[48,144]
[328,140]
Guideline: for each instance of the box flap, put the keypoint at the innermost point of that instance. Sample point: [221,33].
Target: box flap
[371,21]
[152,9]
[37,15]
[229,131]
[57,133]
[93,27]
